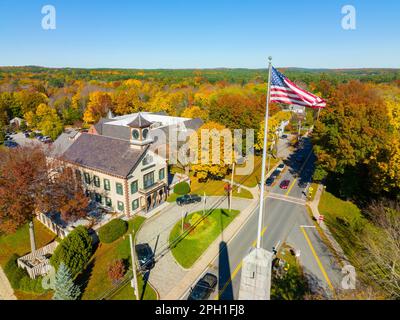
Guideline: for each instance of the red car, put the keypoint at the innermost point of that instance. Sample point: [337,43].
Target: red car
[284,184]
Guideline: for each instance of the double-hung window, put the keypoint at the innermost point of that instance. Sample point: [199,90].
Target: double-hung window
[119,188]
[107,185]
[134,187]
[148,180]
[135,204]
[96,181]
[87,178]
[161,174]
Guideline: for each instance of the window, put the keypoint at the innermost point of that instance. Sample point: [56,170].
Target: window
[135,204]
[87,178]
[98,198]
[135,134]
[120,206]
[96,181]
[147,159]
[134,187]
[119,188]
[107,185]
[161,174]
[145,133]
[108,202]
[148,179]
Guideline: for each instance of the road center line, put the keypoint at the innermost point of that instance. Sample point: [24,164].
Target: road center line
[321,267]
[235,272]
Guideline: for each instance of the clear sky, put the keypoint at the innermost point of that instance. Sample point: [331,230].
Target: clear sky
[200,33]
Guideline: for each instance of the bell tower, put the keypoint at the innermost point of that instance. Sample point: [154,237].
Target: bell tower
[140,132]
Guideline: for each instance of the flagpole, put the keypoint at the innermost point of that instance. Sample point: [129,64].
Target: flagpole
[264,156]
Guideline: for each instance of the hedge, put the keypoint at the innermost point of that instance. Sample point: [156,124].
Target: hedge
[113,230]
[182,188]
[19,278]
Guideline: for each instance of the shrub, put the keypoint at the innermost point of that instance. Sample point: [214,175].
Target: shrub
[182,188]
[75,251]
[13,273]
[19,278]
[112,230]
[116,271]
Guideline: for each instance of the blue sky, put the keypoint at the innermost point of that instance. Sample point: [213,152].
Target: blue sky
[200,34]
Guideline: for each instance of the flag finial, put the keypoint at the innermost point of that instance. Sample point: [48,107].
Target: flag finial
[270,58]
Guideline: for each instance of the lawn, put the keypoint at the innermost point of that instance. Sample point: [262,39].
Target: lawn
[95,278]
[19,243]
[254,178]
[190,248]
[216,188]
[127,293]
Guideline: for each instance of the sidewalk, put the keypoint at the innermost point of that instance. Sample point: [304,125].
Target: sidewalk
[210,254]
[315,211]
[6,292]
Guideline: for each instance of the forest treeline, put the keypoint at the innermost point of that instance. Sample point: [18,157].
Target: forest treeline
[356,138]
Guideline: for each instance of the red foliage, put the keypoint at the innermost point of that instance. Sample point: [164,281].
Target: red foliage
[116,270]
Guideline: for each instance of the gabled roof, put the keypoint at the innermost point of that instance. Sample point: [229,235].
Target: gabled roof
[139,122]
[105,154]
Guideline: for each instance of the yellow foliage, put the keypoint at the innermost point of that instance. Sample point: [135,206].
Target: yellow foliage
[195,112]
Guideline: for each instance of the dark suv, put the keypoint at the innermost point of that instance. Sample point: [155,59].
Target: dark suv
[203,287]
[187,199]
[145,256]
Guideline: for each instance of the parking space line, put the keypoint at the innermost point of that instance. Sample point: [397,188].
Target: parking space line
[321,267]
[291,187]
[235,272]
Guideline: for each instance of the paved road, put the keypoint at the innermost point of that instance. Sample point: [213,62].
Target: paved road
[284,221]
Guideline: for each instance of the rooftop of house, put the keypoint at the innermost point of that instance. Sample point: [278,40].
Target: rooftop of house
[105,154]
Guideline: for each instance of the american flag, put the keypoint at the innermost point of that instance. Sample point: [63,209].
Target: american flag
[285,91]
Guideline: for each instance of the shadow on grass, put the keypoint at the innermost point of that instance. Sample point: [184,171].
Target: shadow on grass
[83,278]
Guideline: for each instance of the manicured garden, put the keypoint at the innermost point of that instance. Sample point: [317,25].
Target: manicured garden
[96,278]
[192,246]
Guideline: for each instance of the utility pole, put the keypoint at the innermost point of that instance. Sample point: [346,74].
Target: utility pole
[133,257]
[231,188]
[204,204]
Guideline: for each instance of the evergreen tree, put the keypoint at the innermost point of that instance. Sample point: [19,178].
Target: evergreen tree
[64,287]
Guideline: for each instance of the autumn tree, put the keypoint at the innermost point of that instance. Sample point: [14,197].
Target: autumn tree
[116,270]
[48,121]
[97,107]
[353,128]
[23,186]
[195,112]
[211,147]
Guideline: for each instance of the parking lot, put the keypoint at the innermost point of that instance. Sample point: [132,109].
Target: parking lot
[22,140]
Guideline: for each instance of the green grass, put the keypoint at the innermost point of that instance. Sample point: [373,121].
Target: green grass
[19,243]
[172,197]
[311,194]
[127,293]
[216,188]
[96,275]
[254,178]
[190,248]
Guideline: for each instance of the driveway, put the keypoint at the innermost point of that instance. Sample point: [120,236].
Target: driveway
[167,272]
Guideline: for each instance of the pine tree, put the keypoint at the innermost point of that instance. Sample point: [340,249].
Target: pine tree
[64,287]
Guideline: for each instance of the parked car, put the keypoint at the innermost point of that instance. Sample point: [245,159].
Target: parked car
[281,167]
[284,136]
[204,287]
[269,181]
[145,256]
[26,134]
[187,199]
[284,184]
[276,173]
[47,140]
